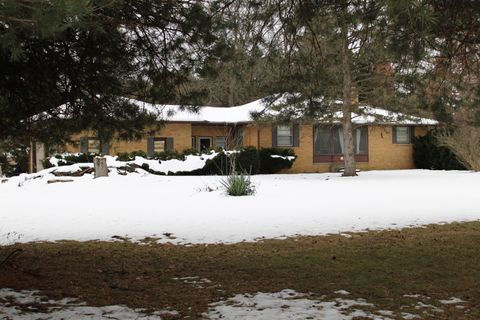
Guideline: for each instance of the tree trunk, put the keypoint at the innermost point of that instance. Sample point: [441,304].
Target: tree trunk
[349,148]
[39,155]
[30,158]
[100,165]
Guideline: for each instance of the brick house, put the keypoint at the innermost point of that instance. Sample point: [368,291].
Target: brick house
[383,139]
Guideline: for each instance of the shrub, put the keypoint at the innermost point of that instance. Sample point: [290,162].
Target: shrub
[247,161]
[464,143]
[238,185]
[79,158]
[219,165]
[46,163]
[138,153]
[5,164]
[169,155]
[15,160]
[269,164]
[123,156]
[429,154]
[187,152]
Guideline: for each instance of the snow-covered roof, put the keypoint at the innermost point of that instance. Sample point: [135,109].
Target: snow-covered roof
[176,113]
[243,114]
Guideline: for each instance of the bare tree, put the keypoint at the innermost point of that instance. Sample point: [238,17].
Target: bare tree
[464,142]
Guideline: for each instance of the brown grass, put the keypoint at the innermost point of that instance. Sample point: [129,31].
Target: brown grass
[437,261]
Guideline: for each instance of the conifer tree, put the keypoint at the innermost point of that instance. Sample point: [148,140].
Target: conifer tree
[87,56]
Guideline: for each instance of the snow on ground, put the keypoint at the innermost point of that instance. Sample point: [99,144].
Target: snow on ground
[284,305]
[28,305]
[194,209]
[191,162]
[288,304]
[452,300]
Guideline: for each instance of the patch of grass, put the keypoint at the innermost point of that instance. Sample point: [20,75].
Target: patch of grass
[381,267]
[238,185]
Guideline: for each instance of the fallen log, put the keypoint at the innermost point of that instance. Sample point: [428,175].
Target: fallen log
[59,180]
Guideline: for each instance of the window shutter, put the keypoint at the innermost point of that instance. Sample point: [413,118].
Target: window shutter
[296,135]
[394,135]
[150,147]
[412,134]
[105,148]
[169,144]
[274,137]
[84,145]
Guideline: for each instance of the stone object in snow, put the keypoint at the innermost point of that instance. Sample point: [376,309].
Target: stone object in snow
[100,165]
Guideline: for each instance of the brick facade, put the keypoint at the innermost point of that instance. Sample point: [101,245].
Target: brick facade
[382,152]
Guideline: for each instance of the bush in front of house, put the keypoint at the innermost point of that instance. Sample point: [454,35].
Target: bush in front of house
[221,164]
[14,159]
[273,160]
[238,185]
[244,161]
[428,154]
[169,155]
[250,161]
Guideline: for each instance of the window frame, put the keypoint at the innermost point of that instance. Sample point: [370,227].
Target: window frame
[224,142]
[99,145]
[164,139]
[205,138]
[290,127]
[410,135]
[333,157]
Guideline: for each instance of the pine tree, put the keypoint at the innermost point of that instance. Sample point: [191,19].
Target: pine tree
[87,56]
[333,50]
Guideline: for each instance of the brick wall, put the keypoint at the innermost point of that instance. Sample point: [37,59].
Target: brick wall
[382,152]
[181,132]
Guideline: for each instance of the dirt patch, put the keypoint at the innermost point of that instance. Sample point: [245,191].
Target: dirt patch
[386,268]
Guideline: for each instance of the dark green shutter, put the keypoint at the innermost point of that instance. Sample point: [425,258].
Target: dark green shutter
[84,145]
[150,147]
[394,135]
[274,137]
[169,144]
[296,135]
[105,148]
[412,134]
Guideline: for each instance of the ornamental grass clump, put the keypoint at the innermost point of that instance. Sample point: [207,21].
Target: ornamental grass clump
[238,185]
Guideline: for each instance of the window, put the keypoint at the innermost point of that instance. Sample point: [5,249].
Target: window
[93,146]
[403,135]
[220,142]
[284,136]
[329,140]
[205,143]
[159,144]
[238,137]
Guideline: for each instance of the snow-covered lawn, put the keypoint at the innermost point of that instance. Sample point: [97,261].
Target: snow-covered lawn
[193,209]
[284,305]
[30,305]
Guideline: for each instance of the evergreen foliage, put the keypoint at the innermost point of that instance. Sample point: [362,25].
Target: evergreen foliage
[429,154]
[85,56]
[269,164]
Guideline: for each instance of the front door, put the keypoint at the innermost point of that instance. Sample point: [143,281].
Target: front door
[205,143]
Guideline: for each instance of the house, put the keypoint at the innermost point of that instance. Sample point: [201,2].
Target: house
[383,139]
